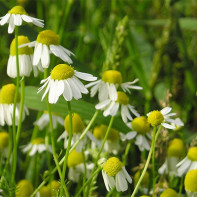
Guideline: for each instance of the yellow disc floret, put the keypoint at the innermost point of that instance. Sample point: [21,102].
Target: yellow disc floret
[122,98]
[7,94]
[18,10]
[169,193]
[145,180]
[141,125]
[4,140]
[62,72]
[192,153]
[112,166]
[21,51]
[176,148]
[75,158]
[77,124]
[45,192]
[112,76]
[38,141]
[54,186]
[24,189]
[155,118]
[191,181]
[48,37]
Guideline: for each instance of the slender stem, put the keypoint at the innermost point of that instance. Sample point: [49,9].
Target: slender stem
[68,147]
[85,171]
[126,152]
[153,164]
[181,186]
[37,169]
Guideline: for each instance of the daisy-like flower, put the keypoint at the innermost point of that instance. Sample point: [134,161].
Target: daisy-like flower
[43,121]
[115,174]
[169,193]
[77,129]
[111,106]
[163,118]
[174,153]
[25,55]
[4,143]
[76,166]
[188,163]
[140,131]
[24,188]
[7,94]
[36,145]
[107,86]
[191,183]
[46,43]
[16,16]
[64,81]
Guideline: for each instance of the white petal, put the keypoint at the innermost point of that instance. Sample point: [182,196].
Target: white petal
[92,83]
[163,168]
[45,57]
[121,183]
[168,126]
[112,92]
[85,76]
[131,135]
[75,90]
[17,20]
[67,91]
[105,180]
[11,25]
[166,110]
[33,150]
[102,105]
[5,19]
[37,54]
[53,94]
[103,92]
[26,18]
[80,85]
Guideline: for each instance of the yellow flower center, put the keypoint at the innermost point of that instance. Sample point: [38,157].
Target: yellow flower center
[122,98]
[169,193]
[24,189]
[192,154]
[45,192]
[54,186]
[48,37]
[191,181]
[144,196]
[176,148]
[141,125]
[7,94]
[112,76]
[145,180]
[62,72]
[112,166]
[24,50]
[77,124]
[75,158]
[18,10]
[38,141]
[4,140]
[155,118]
[100,131]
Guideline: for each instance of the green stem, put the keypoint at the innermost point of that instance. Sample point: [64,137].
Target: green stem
[181,186]
[37,169]
[85,171]
[126,153]
[153,164]
[68,147]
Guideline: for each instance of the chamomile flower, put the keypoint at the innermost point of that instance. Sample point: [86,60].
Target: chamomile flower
[163,118]
[43,121]
[36,145]
[54,185]
[140,131]
[107,86]
[24,189]
[25,55]
[4,143]
[191,183]
[169,193]
[46,43]
[111,106]
[77,129]
[16,16]
[174,153]
[7,94]
[44,192]
[115,175]
[76,166]
[64,81]
[189,162]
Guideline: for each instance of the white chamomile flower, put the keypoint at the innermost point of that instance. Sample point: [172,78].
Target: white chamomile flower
[4,143]
[24,188]
[140,131]
[163,117]
[107,86]
[115,175]
[77,129]
[76,166]
[16,16]
[191,183]
[188,163]
[174,153]
[64,81]
[7,94]
[46,43]
[25,55]
[36,145]
[111,106]
[43,121]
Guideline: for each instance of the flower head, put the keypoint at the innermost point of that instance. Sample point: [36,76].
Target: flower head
[24,188]
[4,140]
[176,148]
[16,16]
[45,192]
[115,175]
[169,193]
[64,81]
